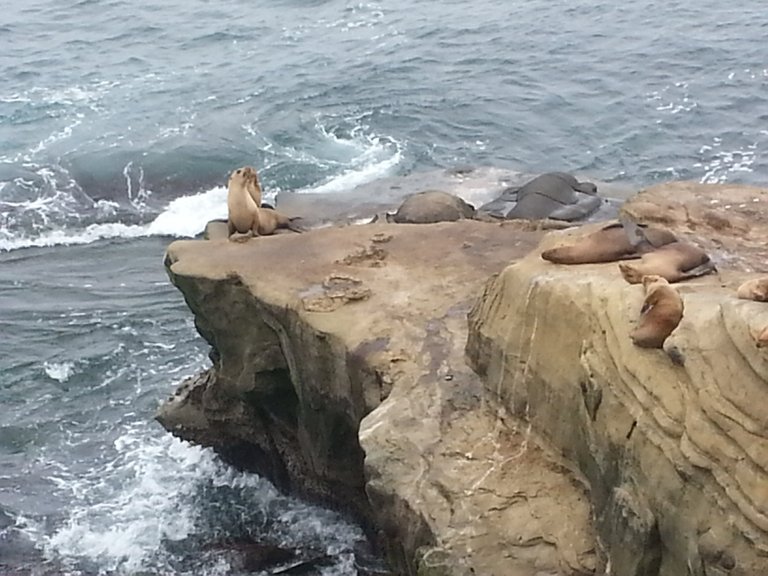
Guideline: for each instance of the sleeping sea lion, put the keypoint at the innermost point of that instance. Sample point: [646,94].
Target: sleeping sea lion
[661,313]
[755,289]
[555,195]
[674,261]
[617,241]
[242,210]
[270,220]
[431,206]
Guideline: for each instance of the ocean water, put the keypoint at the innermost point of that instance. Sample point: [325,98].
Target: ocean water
[119,122]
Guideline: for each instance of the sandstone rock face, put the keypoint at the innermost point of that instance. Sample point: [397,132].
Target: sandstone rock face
[338,372]
[674,442]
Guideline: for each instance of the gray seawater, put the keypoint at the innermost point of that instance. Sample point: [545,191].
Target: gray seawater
[119,122]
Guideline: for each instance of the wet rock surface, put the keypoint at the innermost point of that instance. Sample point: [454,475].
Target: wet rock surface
[476,186]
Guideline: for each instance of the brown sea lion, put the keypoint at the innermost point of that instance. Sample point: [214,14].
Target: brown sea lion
[661,313]
[270,220]
[755,289]
[616,241]
[242,209]
[251,182]
[674,262]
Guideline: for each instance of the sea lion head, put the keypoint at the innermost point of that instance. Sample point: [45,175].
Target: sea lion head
[756,289]
[649,279]
[246,179]
[586,188]
[243,175]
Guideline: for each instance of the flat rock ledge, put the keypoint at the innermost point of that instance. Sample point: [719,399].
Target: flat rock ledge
[533,440]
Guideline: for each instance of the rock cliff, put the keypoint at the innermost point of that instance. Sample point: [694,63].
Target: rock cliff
[339,371]
[673,442]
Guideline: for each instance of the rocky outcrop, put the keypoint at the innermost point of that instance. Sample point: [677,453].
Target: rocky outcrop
[555,446]
[338,372]
[673,442]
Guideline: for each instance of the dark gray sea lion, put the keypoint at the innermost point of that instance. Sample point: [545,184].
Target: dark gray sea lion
[432,206]
[674,262]
[617,241]
[555,195]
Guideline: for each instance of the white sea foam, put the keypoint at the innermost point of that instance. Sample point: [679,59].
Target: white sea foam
[158,489]
[184,217]
[188,215]
[60,371]
[366,156]
[369,157]
[122,513]
[353,177]
[69,237]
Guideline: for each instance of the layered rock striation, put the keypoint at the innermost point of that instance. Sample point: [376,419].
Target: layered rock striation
[673,442]
[535,439]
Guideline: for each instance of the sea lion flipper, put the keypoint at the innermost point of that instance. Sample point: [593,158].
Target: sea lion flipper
[293,226]
[707,267]
[578,210]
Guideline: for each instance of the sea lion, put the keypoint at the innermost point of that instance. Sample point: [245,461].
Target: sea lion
[555,195]
[755,289]
[616,241]
[251,183]
[270,220]
[431,206]
[674,261]
[242,209]
[661,313]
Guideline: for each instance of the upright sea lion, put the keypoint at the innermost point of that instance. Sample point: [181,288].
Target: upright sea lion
[755,289]
[661,313]
[242,209]
[617,241]
[674,261]
[251,182]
